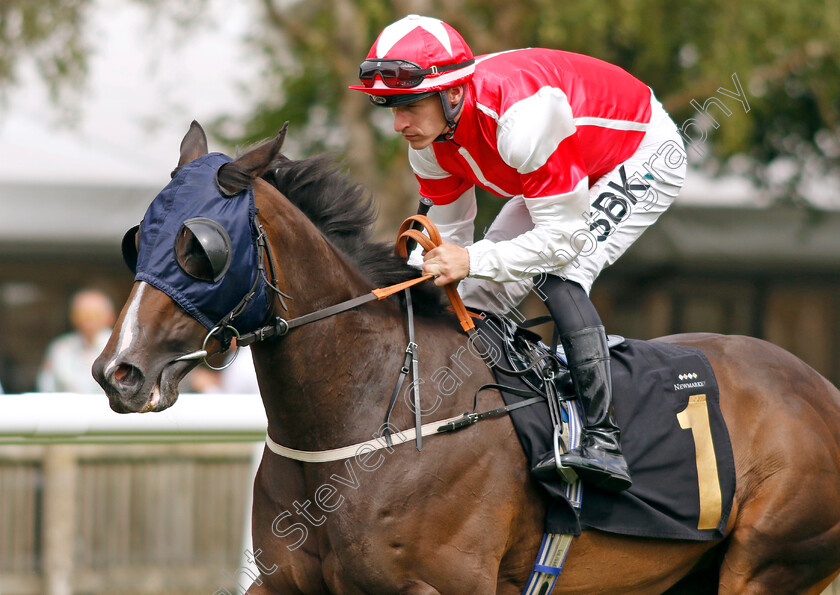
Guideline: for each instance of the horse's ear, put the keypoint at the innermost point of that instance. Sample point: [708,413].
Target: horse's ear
[257,160]
[194,144]
[236,176]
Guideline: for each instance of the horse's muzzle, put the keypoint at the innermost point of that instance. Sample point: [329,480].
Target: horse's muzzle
[123,382]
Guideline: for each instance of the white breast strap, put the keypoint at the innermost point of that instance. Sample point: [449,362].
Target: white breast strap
[345,452]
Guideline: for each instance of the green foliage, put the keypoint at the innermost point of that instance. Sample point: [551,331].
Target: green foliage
[50,32]
[783,52]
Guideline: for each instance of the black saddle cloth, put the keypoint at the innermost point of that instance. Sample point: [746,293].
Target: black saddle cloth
[683,481]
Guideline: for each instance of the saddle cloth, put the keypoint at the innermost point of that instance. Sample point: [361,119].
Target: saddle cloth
[672,434]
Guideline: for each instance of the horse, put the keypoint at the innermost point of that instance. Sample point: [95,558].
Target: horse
[463,514]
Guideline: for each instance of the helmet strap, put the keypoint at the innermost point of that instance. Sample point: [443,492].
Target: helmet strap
[450,112]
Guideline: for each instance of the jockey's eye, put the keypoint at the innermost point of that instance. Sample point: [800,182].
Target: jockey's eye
[203,249]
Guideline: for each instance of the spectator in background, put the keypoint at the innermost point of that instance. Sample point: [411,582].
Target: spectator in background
[68,360]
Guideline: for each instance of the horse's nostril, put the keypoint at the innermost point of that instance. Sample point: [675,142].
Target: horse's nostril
[127,375]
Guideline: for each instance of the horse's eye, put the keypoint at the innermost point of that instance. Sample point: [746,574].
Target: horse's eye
[131,247]
[203,249]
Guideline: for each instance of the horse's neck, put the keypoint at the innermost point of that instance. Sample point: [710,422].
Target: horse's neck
[308,266]
[314,378]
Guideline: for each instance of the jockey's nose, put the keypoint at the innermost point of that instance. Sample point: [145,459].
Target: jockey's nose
[400,120]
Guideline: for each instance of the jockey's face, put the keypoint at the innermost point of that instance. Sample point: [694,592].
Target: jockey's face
[420,123]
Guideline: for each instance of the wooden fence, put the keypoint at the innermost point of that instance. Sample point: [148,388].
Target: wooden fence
[94,503]
[125,518]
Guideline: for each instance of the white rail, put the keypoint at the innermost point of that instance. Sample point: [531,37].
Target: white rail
[70,418]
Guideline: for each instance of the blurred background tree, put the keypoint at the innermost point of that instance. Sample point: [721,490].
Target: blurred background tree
[783,52]
[50,33]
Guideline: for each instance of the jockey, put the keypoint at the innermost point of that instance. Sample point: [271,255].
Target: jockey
[584,153]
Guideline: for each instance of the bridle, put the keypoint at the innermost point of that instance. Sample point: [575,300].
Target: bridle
[279,327]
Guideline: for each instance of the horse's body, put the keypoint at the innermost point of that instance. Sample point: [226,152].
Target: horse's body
[463,515]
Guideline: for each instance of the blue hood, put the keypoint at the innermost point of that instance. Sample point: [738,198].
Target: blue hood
[193,193]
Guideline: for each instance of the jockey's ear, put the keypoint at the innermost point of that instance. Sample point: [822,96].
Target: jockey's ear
[454,94]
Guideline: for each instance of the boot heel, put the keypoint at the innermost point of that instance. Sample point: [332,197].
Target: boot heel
[615,483]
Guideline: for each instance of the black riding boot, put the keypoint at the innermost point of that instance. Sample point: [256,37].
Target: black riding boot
[598,459]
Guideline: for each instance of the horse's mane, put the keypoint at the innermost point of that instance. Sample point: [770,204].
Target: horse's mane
[345,212]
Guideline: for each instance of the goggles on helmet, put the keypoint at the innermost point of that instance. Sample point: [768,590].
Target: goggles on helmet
[401,74]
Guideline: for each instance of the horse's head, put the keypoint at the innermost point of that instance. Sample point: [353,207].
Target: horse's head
[197,257]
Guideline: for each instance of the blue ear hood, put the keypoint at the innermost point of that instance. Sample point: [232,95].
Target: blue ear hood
[193,193]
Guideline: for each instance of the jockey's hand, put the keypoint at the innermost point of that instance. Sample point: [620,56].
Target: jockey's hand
[447,262]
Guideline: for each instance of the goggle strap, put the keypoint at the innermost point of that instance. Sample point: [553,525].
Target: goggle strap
[449,113]
[433,70]
[447,68]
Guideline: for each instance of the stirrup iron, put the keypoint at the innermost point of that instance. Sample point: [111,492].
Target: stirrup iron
[560,448]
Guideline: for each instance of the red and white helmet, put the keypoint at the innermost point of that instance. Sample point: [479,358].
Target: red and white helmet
[415,55]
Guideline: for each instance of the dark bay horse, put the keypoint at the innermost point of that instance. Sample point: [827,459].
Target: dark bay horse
[462,515]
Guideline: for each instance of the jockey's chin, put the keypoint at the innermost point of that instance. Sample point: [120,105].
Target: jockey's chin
[418,141]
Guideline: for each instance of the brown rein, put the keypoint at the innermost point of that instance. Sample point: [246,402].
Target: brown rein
[281,326]
[407,232]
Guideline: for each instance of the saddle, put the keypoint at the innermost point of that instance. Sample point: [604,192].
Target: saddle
[524,366]
[522,346]
[651,397]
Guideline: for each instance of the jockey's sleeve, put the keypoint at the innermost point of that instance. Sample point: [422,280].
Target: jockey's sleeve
[537,138]
[553,243]
[455,222]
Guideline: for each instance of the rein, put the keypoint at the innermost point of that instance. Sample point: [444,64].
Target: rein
[281,326]
[406,236]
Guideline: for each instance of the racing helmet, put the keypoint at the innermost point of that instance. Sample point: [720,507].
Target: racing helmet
[415,58]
